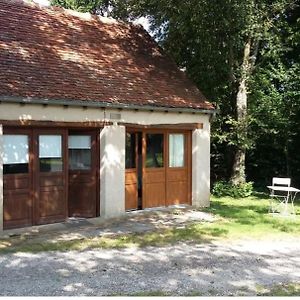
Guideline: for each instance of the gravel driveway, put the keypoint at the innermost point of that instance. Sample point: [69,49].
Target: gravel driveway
[209,269]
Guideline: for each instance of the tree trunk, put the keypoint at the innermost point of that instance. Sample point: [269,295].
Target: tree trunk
[238,170]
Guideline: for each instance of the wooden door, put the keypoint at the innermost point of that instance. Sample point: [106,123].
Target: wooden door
[154,172]
[50,181]
[178,168]
[131,174]
[83,164]
[17,178]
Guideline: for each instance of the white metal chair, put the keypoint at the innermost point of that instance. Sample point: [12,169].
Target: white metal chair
[281,196]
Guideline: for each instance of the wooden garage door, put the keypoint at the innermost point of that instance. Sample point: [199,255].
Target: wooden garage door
[17,180]
[154,169]
[178,171]
[83,164]
[166,168]
[50,171]
[131,174]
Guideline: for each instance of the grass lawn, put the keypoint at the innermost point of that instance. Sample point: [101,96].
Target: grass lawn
[236,218]
[249,218]
[280,290]
[277,290]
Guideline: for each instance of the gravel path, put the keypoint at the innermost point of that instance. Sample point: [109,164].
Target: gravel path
[210,269]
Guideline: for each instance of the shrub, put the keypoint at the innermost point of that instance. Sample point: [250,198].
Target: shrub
[223,188]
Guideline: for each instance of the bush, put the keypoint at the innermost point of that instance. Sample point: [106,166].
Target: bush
[223,188]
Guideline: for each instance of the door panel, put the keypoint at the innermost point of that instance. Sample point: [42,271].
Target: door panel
[154,194]
[17,181]
[17,201]
[131,190]
[51,203]
[83,162]
[50,176]
[154,173]
[177,193]
[178,169]
[131,178]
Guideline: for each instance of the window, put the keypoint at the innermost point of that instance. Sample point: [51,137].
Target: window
[50,153]
[176,150]
[80,156]
[15,154]
[155,150]
[130,154]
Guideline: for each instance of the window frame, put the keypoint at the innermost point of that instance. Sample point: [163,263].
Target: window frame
[135,150]
[12,130]
[91,149]
[164,150]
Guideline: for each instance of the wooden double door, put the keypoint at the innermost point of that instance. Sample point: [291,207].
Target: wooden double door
[41,184]
[158,168]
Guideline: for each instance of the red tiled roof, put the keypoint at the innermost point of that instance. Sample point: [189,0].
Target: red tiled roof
[52,53]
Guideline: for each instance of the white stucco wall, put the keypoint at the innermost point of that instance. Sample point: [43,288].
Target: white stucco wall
[14,111]
[112,146]
[201,166]
[1,178]
[112,171]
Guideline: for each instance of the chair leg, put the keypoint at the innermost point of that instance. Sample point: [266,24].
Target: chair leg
[271,206]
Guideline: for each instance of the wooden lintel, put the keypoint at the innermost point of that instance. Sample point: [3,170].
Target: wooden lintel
[182,126]
[32,123]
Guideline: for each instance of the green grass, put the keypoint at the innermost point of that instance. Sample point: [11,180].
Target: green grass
[278,290]
[159,293]
[290,289]
[249,218]
[235,219]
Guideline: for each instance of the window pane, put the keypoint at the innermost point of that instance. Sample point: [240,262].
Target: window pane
[15,168]
[80,159]
[176,150]
[50,153]
[51,164]
[80,156]
[130,151]
[15,153]
[15,149]
[154,151]
[50,146]
[79,142]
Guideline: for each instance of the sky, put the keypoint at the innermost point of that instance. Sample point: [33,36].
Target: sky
[42,2]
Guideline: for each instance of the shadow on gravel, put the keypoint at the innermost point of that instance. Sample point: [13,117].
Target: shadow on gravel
[182,269]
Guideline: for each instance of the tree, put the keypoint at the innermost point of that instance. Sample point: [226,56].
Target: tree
[275,105]
[219,43]
[235,51]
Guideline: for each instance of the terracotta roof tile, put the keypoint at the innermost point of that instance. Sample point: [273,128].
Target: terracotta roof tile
[51,53]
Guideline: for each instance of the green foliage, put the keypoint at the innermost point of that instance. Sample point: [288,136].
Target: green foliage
[208,39]
[115,8]
[223,188]
[80,5]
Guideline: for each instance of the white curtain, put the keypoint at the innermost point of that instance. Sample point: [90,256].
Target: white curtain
[79,142]
[50,146]
[15,149]
[176,150]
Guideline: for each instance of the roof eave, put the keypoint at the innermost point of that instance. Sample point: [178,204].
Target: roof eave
[98,104]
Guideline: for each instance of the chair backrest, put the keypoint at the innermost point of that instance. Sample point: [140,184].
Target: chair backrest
[281,181]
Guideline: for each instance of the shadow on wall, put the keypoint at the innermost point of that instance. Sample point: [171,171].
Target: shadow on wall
[113,157]
[201,160]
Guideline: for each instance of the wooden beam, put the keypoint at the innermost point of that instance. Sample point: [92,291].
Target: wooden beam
[32,123]
[181,126]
